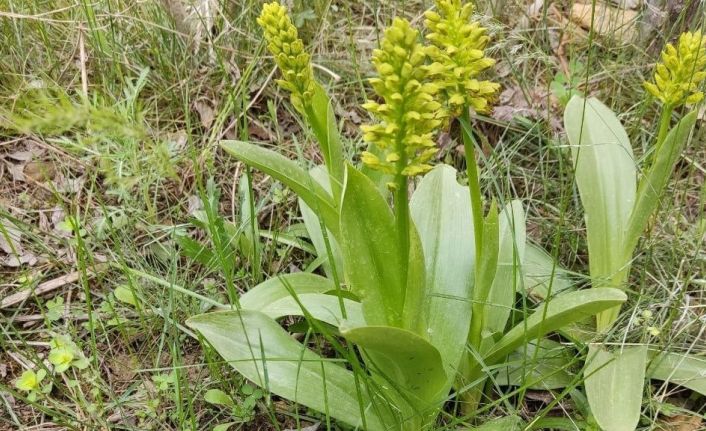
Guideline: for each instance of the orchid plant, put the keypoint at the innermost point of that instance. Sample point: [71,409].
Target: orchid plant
[618,201]
[418,288]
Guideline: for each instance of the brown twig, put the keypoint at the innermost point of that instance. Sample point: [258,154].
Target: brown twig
[47,286]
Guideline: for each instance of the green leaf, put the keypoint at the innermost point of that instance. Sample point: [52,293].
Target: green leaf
[614,384]
[654,182]
[288,172]
[441,210]
[538,365]
[322,121]
[405,358]
[372,256]
[507,423]
[287,239]
[125,294]
[606,178]
[249,239]
[414,315]
[487,265]
[679,369]
[196,251]
[501,296]
[279,287]
[55,308]
[543,277]
[313,227]
[224,426]
[488,261]
[218,397]
[553,315]
[326,308]
[265,354]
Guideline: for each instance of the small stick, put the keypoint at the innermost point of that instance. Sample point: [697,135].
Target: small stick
[83,60]
[47,287]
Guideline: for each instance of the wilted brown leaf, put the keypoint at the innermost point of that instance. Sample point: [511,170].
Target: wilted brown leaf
[40,171]
[206,113]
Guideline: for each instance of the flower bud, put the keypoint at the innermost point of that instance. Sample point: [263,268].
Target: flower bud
[288,51]
[457,52]
[408,113]
[683,68]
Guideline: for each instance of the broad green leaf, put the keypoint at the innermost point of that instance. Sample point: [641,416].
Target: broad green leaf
[538,365]
[555,423]
[124,293]
[407,359]
[326,308]
[322,121]
[281,286]
[313,227]
[654,182]
[679,369]
[441,210]
[224,426]
[196,251]
[218,397]
[265,354]
[288,240]
[507,423]
[414,315]
[606,178]
[553,315]
[249,240]
[488,261]
[614,384]
[487,265]
[288,172]
[543,277]
[372,257]
[507,276]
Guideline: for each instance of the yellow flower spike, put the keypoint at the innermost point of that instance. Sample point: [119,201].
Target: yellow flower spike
[457,51]
[682,70]
[288,50]
[409,113]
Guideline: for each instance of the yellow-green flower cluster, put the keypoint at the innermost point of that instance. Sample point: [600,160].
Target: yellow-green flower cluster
[31,383]
[65,354]
[408,113]
[682,69]
[456,48]
[288,50]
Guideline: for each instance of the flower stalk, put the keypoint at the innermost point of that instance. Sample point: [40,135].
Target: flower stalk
[457,50]
[307,96]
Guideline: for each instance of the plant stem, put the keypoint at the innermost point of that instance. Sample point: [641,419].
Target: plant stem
[664,121]
[474,335]
[329,142]
[401,202]
[473,181]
